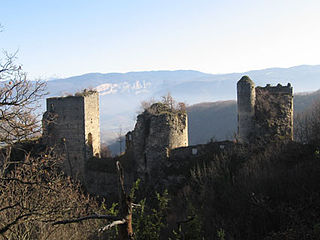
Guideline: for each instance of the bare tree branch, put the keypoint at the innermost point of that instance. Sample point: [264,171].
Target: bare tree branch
[8,207]
[15,221]
[77,220]
[134,205]
[111,225]
[18,101]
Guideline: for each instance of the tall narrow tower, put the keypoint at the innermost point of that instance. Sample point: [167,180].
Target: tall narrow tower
[71,125]
[246,108]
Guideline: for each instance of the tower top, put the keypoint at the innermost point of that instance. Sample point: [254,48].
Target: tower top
[82,94]
[246,79]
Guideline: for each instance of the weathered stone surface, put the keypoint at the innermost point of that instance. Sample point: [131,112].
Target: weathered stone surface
[274,113]
[104,182]
[246,108]
[264,113]
[158,129]
[71,125]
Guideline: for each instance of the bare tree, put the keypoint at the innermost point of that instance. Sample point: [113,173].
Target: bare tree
[182,107]
[18,101]
[120,139]
[145,105]
[169,101]
[166,100]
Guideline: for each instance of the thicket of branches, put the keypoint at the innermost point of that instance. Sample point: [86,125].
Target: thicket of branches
[18,102]
[34,193]
[168,101]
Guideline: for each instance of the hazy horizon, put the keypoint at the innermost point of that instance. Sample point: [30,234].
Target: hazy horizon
[176,70]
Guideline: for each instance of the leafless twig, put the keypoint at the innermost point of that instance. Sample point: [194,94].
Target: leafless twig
[77,220]
[111,225]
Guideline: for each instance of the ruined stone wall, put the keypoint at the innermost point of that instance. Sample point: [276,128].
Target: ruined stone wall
[198,151]
[102,183]
[264,113]
[182,160]
[68,124]
[157,130]
[102,177]
[274,113]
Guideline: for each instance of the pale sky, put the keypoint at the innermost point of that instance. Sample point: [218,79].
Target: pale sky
[71,37]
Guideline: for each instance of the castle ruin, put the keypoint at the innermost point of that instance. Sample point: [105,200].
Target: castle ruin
[71,125]
[158,145]
[264,113]
[158,130]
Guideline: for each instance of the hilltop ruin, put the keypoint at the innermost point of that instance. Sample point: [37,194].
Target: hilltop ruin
[160,138]
[264,113]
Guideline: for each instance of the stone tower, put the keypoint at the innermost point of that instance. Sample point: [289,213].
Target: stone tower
[274,113]
[246,103]
[264,113]
[71,125]
[158,130]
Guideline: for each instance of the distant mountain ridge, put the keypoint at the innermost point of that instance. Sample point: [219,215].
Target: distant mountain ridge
[122,93]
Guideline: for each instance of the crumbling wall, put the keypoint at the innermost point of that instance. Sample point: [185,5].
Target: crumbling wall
[264,113]
[184,159]
[274,113]
[102,177]
[158,129]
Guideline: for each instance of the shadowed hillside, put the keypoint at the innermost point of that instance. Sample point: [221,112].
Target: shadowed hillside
[302,101]
[216,121]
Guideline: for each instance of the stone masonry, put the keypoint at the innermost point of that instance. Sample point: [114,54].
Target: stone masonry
[71,125]
[264,113]
[158,130]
